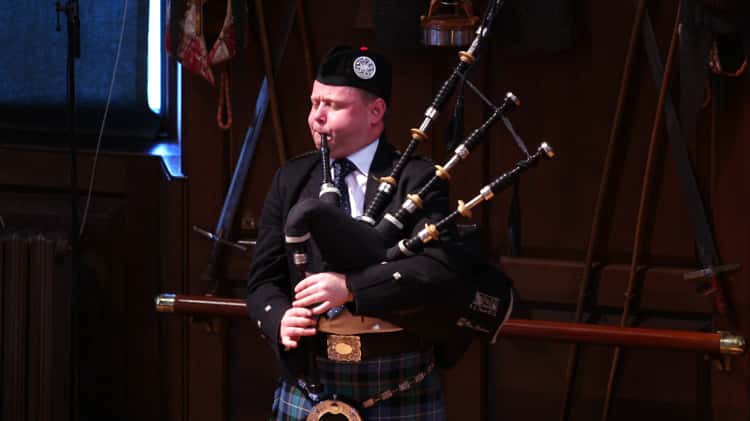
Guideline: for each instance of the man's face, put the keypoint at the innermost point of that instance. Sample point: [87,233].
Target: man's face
[346,115]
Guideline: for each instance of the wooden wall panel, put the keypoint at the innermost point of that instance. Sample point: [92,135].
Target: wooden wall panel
[116,348]
[206,163]
[730,207]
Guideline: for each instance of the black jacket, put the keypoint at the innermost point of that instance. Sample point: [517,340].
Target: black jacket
[416,299]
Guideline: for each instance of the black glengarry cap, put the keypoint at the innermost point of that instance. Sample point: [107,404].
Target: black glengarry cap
[359,68]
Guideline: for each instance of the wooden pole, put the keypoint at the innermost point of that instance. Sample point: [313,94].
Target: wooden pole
[714,343]
[632,291]
[585,285]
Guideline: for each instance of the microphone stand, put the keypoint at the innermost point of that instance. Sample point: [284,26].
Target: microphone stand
[71,11]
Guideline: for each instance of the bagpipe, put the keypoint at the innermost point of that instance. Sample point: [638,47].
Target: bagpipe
[347,244]
[485,298]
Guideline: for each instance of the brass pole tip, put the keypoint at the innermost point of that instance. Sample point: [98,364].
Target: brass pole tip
[165,303]
[731,344]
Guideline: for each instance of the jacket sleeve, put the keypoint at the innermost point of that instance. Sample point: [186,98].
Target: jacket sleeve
[268,289]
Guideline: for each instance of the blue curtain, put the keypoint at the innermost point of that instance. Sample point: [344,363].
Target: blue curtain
[33,69]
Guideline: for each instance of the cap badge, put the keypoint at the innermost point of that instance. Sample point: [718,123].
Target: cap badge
[364,67]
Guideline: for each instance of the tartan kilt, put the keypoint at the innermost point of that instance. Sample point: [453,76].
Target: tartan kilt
[355,383]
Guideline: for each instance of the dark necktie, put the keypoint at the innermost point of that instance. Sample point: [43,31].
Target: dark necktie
[341,168]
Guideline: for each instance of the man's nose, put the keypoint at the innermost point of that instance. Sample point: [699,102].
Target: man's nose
[319,113]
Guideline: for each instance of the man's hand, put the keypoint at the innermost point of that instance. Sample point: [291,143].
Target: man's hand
[323,290]
[297,322]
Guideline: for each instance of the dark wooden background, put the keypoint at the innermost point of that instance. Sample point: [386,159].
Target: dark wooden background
[135,363]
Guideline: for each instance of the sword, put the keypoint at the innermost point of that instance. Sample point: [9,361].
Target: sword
[704,240]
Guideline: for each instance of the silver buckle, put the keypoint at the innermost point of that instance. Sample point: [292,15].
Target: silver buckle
[344,348]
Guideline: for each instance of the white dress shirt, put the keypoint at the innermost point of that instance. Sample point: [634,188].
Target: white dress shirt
[356,181]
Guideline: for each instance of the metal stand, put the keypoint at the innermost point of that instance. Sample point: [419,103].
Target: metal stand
[71,11]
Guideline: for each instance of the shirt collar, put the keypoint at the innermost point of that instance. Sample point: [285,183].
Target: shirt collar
[362,159]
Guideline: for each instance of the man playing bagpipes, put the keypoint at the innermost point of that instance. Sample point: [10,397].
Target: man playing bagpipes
[356,340]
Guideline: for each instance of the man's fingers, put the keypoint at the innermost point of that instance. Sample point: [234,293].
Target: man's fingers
[299,322]
[301,285]
[288,343]
[298,312]
[305,292]
[310,280]
[299,331]
[322,308]
[309,300]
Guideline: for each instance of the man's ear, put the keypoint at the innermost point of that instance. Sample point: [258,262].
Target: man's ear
[377,110]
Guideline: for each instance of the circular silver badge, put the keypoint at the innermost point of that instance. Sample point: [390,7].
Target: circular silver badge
[364,67]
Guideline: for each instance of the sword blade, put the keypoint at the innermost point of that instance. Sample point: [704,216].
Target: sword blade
[234,193]
[707,253]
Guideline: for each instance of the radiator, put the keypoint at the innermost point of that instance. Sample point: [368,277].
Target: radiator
[34,329]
